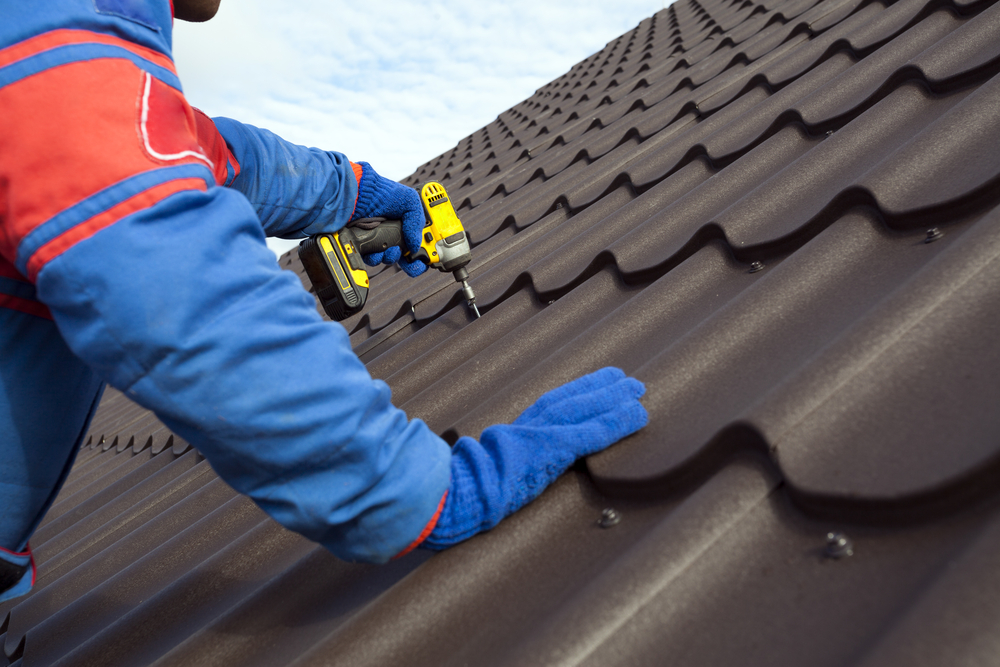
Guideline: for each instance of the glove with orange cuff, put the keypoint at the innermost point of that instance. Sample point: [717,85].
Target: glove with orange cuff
[380,197]
[512,464]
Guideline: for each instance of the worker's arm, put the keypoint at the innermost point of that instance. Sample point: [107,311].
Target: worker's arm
[298,191]
[161,282]
[182,307]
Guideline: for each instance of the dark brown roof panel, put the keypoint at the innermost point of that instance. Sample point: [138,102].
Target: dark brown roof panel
[782,217]
[801,323]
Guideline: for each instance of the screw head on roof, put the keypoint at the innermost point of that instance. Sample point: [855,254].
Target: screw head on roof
[756,266]
[933,234]
[609,518]
[838,546]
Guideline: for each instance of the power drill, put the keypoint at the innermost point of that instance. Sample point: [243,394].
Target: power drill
[334,265]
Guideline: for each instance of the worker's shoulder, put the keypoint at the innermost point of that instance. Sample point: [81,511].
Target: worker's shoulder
[67,28]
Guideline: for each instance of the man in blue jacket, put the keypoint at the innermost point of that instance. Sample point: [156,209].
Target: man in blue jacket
[132,252]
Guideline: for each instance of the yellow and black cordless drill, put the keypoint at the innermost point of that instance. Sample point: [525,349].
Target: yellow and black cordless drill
[334,265]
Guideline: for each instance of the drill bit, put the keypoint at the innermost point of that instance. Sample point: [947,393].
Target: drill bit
[470,297]
[462,276]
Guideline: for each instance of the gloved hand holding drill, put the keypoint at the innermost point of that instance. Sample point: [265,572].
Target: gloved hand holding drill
[380,197]
[389,223]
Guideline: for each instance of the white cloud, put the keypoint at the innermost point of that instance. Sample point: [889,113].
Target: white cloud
[390,82]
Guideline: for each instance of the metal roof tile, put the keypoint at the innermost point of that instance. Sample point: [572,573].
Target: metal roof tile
[731,203]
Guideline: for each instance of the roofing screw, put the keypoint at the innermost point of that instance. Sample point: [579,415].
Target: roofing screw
[933,234]
[838,546]
[756,266]
[609,518]
[829,133]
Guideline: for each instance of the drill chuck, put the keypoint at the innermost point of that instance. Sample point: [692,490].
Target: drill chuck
[462,276]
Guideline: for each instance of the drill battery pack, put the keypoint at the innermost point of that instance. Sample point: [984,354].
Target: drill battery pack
[337,272]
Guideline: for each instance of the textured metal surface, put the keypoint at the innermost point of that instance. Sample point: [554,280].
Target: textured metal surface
[783,217]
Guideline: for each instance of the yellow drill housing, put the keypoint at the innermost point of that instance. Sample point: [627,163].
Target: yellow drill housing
[444,239]
[335,268]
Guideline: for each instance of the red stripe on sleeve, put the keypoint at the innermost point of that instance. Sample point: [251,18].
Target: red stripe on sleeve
[26,552]
[35,308]
[85,230]
[31,560]
[427,529]
[29,306]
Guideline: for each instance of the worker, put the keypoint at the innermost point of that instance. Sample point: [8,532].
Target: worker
[132,252]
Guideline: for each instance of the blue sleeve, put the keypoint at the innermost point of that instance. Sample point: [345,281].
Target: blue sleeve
[182,306]
[295,191]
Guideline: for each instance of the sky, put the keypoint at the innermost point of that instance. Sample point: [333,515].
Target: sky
[392,83]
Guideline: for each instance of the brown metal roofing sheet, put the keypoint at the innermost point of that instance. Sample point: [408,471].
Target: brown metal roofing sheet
[781,329]
[783,218]
[95,508]
[974,46]
[735,575]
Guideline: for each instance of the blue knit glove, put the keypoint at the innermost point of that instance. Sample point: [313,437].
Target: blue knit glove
[383,198]
[514,463]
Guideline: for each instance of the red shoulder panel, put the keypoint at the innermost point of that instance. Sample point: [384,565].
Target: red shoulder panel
[167,124]
[82,128]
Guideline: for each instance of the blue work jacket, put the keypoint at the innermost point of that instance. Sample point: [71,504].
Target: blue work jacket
[132,252]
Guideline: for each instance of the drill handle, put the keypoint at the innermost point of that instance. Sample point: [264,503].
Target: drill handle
[387,234]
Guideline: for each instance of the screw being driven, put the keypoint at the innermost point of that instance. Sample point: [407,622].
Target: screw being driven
[609,518]
[838,546]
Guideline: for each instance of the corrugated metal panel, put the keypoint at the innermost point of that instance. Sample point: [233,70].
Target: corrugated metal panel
[784,217]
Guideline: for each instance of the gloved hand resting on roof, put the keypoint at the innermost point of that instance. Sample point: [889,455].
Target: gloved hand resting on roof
[512,464]
[380,197]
